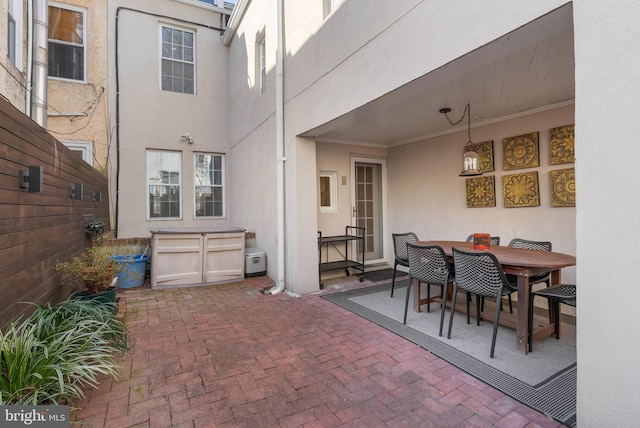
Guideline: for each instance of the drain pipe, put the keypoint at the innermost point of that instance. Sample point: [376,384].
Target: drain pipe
[29,55]
[40,63]
[280,158]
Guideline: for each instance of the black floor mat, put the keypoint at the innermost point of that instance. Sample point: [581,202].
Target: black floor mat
[383,275]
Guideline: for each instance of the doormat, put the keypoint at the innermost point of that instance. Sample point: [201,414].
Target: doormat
[384,275]
[545,380]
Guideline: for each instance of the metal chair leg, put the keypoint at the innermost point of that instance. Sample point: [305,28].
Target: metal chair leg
[495,330]
[453,308]
[406,303]
[393,281]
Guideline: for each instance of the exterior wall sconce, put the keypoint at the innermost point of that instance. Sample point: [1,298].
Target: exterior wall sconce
[77,190]
[470,159]
[186,138]
[31,179]
[96,197]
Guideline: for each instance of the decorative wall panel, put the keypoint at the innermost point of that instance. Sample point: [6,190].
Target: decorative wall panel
[521,190]
[481,192]
[561,142]
[521,151]
[485,153]
[563,187]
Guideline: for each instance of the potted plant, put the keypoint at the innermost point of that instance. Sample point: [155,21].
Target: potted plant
[94,270]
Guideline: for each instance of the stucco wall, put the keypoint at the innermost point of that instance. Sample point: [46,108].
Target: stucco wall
[150,118]
[13,82]
[88,98]
[607,227]
[356,57]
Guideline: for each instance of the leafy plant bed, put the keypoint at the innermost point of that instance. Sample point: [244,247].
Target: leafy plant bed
[51,356]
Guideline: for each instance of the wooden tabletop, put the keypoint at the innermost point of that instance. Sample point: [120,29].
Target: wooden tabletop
[511,256]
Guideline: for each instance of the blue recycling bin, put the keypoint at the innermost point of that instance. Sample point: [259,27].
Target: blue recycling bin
[133,269]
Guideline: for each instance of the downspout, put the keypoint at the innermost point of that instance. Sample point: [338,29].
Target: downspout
[29,54]
[40,63]
[280,158]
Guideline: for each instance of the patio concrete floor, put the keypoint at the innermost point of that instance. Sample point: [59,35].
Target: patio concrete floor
[230,356]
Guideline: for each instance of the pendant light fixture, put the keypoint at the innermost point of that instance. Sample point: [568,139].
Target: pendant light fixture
[470,159]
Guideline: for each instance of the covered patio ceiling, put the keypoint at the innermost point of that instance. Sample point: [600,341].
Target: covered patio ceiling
[527,70]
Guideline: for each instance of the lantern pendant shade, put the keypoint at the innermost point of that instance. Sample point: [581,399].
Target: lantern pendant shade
[470,162]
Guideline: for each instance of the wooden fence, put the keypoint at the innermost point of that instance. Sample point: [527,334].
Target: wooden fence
[37,229]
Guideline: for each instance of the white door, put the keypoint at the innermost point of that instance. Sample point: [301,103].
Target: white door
[368,205]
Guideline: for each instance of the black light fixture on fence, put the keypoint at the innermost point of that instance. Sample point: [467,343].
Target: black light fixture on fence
[470,158]
[77,190]
[31,179]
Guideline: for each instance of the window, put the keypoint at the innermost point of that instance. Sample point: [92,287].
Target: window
[329,6]
[14,33]
[178,60]
[262,63]
[209,185]
[163,181]
[67,43]
[84,149]
[328,191]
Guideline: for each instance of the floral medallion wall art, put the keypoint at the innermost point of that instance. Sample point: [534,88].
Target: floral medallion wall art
[561,141]
[563,187]
[481,192]
[485,155]
[521,190]
[521,151]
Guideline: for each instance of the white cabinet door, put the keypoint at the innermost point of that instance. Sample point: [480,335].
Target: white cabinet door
[177,259]
[223,257]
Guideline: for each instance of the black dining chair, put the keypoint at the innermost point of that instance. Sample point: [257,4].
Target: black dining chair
[493,240]
[561,293]
[428,265]
[531,245]
[480,274]
[400,241]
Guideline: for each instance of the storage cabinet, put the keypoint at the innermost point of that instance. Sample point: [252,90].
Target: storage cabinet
[196,256]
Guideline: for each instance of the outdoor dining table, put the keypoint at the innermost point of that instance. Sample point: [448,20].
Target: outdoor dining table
[524,264]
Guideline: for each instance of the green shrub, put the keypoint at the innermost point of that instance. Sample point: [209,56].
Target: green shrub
[56,352]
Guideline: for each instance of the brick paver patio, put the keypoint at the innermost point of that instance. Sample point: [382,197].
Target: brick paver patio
[230,356]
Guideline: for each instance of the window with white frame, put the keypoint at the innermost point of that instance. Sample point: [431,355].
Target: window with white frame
[328,191]
[209,185]
[178,62]
[164,184]
[261,62]
[67,42]
[14,33]
[329,6]
[84,150]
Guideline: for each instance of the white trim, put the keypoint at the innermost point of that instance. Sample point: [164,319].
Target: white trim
[222,185]
[333,191]
[383,182]
[85,147]
[147,184]
[85,41]
[194,62]
[15,10]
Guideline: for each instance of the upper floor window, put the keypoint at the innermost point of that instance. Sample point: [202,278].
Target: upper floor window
[163,183]
[329,6]
[14,33]
[209,185]
[178,60]
[67,42]
[83,149]
[261,62]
